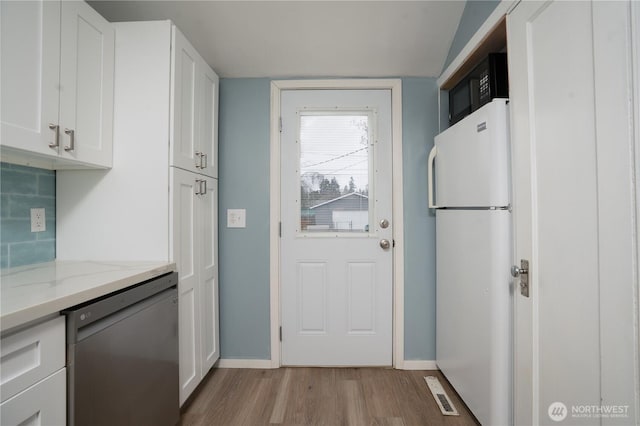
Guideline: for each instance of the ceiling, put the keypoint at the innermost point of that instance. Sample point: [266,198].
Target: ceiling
[308,38]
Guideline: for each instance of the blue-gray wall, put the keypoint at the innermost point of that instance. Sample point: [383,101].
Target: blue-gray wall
[419,126]
[244,183]
[21,189]
[474,14]
[243,168]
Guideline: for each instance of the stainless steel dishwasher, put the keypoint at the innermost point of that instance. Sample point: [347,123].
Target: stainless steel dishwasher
[122,357]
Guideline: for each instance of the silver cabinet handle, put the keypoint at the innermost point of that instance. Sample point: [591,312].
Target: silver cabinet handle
[203,182]
[385,244]
[199,160]
[203,157]
[56,137]
[72,140]
[198,186]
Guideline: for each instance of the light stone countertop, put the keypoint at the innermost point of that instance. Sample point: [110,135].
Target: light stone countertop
[28,293]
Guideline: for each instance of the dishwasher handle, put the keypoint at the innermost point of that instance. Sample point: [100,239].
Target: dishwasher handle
[83,315]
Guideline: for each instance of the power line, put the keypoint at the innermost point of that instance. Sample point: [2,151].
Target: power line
[348,167]
[336,158]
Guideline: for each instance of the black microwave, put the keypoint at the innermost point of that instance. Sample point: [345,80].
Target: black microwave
[487,81]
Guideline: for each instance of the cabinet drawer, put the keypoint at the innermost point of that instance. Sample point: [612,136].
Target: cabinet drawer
[44,403]
[30,355]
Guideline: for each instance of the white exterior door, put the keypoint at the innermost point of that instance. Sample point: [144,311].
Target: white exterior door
[336,278]
[575,343]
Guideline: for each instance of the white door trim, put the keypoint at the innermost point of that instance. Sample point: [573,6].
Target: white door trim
[395,85]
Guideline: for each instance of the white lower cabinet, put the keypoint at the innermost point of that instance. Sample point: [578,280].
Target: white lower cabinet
[33,376]
[195,253]
[44,403]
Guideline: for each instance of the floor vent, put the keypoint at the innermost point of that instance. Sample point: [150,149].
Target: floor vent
[441,397]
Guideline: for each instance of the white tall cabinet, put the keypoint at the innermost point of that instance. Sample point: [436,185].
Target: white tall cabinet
[160,199]
[57,84]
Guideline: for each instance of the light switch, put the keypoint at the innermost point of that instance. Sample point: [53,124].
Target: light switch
[236,218]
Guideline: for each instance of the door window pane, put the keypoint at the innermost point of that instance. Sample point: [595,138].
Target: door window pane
[335,160]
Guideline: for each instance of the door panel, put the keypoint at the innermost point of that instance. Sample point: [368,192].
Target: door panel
[563,204]
[336,187]
[312,298]
[569,102]
[361,297]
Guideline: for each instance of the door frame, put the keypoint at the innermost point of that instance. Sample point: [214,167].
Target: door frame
[395,85]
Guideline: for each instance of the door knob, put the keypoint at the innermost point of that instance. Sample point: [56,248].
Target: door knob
[523,273]
[384,224]
[516,272]
[385,244]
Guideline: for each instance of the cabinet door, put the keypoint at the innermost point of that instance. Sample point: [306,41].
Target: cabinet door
[208,140]
[29,74]
[185,88]
[30,355]
[86,85]
[208,228]
[185,253]
[44,403]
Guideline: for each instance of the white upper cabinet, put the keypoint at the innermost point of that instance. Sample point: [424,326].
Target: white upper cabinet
[57,84]
[209,122]
[86,85]
[194,109]
[30,71]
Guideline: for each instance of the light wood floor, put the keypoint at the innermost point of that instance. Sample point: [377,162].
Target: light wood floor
[319,396]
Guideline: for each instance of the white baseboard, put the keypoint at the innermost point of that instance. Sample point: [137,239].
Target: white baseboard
[244,363]
[266,364]
[412,364]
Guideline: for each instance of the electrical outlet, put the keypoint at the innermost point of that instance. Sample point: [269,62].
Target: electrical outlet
[38,223]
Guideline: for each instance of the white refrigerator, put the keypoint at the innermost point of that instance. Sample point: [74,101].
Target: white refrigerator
[470,174]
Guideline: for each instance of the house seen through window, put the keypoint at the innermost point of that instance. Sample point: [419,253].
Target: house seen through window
[335,160]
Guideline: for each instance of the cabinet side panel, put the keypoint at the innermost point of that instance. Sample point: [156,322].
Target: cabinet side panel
[123,213]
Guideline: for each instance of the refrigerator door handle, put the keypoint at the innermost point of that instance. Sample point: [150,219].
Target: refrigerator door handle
[431,161]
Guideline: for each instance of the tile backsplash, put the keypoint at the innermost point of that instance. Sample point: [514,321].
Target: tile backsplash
[21,189]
